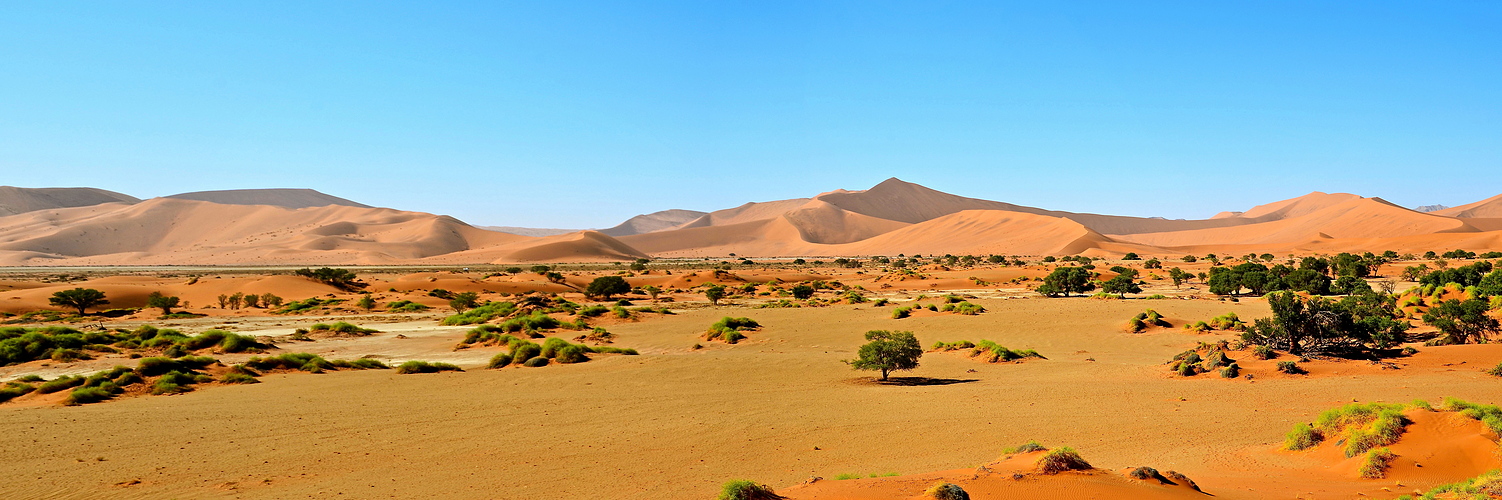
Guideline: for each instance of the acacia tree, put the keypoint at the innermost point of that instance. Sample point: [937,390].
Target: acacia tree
[1066,280]
[1121,285]
[462,301]
[1462,321]
[714,293]
[1179,276]
[1316,325]
[888,351]
[652,291]
[606,286]
[78,298]
[163,302]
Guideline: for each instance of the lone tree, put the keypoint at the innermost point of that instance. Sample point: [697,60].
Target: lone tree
[464,300]
[367,302]
[1121,285]
[1066,280]
[606,286]
[714,293]
[652,291]
[888,351]
[803,292]
[163,302]
[78,298]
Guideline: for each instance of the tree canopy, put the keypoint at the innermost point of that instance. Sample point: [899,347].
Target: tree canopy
[1066,280]
[78,298]
[888,351]
[606,286]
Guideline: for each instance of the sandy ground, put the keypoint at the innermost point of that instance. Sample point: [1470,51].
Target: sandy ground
[677,422]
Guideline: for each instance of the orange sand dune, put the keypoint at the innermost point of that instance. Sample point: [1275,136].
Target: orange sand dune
[1294,207]
[1488,208]
[1355,218]
[821,222]
[15,200]
[131,291]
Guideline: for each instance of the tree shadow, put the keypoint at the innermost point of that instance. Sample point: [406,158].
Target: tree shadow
[915,381]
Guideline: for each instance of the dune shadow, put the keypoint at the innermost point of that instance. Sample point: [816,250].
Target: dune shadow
[914,381]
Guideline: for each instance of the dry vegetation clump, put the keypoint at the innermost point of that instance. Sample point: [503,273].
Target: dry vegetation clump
[1291,368]
[530,354]
[1227,321]
[1028,447]
[1363,426]
[1147,318]
[1491,415]
[405,306]
[743,489]
[425,367]
[992,352]
[1189,363]
[1060,460]
[729,329]
[1487,485]
[946,491]
[1375,465]
[340,329]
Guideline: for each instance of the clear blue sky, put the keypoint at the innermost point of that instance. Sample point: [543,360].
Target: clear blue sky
[562,114]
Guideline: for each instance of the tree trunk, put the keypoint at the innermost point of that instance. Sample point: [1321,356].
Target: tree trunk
[883,374]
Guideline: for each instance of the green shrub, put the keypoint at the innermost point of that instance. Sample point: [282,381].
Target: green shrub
[500,360]
[1290,367]
[741,489]
[621,312]
[1376,463]
[551,346]
[614,350]
[1028,447]
[953,346]
[238,378]
[571,354]
[946,491]
[902,312]
[1495,371]
[342,328]
[425,367]
[593,311]
[291,361]
[535,362]
[1230,371]
[1263,352]
[484,313]
[1303,436]
[1060,460]
[992,352]
[86,395]
[965,308]
[523,351]
[174,382]
[31,378]
[58,384]
[406,306]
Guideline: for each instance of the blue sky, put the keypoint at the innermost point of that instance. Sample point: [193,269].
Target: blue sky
[564,114]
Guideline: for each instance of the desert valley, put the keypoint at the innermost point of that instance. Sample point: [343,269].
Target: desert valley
[896,342]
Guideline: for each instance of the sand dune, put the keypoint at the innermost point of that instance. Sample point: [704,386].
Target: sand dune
[655,221]
[1488,208]
[286,198]
[15,200]
[1354,218]
[1294,207]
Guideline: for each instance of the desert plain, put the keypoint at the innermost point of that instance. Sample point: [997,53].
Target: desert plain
[685,411]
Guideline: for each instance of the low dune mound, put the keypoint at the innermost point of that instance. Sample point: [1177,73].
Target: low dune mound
[285,198]
[16,200]
[1413,442]
[1490,208]
[1028,471]
[584,246]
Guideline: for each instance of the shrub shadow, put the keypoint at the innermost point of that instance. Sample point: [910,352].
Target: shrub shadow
[913,381]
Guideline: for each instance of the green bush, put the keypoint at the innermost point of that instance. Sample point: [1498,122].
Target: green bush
[425,367]
[953,346]
[341,327]
[1303,436]
[1290,367]
[1028,447]
[58,384]
[500,360]
[86,395]
[1231,371]
[614,350]
[484,313]
[238,378]
[742,489]
[1060,460]
[14,390]
[291,361]
[1263,352]
[535,362]
[551,346]
[571,354]
[902,312]
[993,353]
[946,491]
[406,306]
[522,351]
[1376,463]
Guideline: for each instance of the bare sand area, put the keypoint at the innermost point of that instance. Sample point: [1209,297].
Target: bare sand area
[677,422]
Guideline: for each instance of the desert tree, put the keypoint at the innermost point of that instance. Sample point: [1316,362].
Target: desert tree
[163,302]
[606,286]
[78,298]
[342,279]
[366,302]
[803,292]
[652,291]
[464,300]
[1121,285]
[1066,280]
[1462,321]
[714,293]
[888,351]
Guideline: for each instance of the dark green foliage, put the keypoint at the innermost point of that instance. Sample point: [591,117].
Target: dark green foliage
[535,362]
[571,354]
[888,351]
[298,306]
[1066,280]
[992,352]
[500,360]
[225,341]
[551,346]
[606,286]
[425,367]
[291,361]
[965,308]
[342,279]
[1462,322]
[1317,325]
[238,378]
[1291,368]
[1465,276]
[522,351]
[174,382]
[78,298]
[729,329]
[802,292]
[163,302]
[593,311]
[14,390]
